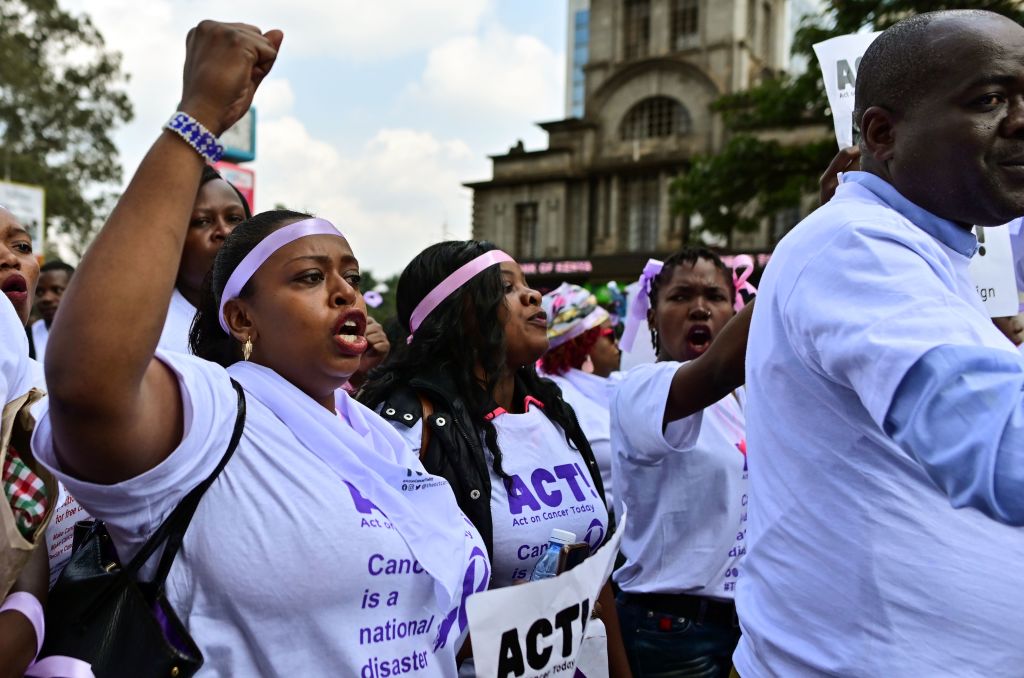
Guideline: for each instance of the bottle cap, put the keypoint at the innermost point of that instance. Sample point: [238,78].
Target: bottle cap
[563,536]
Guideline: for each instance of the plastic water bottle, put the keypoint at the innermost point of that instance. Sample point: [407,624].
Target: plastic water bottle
[547,566]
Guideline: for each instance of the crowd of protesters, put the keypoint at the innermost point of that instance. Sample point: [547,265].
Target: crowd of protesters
[828,480]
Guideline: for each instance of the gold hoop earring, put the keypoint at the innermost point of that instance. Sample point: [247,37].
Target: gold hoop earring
[247,348]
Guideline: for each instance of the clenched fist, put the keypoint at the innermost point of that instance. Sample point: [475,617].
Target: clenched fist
[224,64]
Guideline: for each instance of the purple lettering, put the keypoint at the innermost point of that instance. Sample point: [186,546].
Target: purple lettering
[363,505]
[519,496]
[568,472]
[586,479]
[539,477]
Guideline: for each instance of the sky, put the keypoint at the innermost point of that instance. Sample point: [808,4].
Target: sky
[375,112]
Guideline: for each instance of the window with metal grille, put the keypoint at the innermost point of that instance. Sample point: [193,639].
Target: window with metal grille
[685,26]
[637,26]
[526,230]
[655,117]
[641,199]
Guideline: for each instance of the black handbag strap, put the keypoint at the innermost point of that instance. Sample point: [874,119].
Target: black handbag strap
[172,530]
[179,520]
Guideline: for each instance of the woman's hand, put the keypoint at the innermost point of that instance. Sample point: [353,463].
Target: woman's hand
[378,350]
[846,160]
[224,64]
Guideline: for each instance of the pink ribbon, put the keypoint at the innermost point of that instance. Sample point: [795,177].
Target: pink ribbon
[637,313]
[739,279]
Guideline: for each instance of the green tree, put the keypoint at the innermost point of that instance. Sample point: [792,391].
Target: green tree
[60,100]
[754,176]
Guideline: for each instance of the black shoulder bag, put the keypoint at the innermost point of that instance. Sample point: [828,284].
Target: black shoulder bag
[99,613]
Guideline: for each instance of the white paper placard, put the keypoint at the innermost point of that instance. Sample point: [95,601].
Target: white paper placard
[992,271]
[28,205]
[839,59]
[536,629]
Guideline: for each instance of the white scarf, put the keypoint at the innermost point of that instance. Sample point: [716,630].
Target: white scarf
[365,452]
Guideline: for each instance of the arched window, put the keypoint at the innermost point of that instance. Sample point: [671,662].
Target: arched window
[656,117]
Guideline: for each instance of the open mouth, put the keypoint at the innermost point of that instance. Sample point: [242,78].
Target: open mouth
[698,338]
[349,331]
[540,319]
[15,287]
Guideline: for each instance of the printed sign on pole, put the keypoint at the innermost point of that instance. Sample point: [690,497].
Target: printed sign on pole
[28,205]
[538,629]
[992,271]
[242,178]
[839,59]
[239,140]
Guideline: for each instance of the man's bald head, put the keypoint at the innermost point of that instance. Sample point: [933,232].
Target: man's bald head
[902,63]
[940,104]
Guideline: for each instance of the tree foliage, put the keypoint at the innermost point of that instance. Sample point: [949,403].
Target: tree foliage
[753,177]
[60,100]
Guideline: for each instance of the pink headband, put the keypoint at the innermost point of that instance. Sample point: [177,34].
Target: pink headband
[460,277]
[263,251]
[742,266]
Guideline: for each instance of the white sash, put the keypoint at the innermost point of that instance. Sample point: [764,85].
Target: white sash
[365,452]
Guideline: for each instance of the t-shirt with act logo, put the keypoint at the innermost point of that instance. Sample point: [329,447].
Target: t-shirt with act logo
[685,487]
[285,569]
[548,487]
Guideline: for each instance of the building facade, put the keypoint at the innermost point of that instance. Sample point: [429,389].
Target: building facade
[595,204]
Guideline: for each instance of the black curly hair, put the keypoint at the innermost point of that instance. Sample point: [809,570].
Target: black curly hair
[688,256]
[463,333]
[206,338]
[210,173]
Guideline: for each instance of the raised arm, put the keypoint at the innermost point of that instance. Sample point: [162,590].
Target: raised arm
[704,381]
[116,411]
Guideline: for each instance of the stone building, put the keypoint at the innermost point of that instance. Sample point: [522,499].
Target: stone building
[594,205]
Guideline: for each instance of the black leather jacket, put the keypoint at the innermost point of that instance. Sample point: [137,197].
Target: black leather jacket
[455,451]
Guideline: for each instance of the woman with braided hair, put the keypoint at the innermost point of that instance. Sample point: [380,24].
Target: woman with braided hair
[464,392]
[679,465]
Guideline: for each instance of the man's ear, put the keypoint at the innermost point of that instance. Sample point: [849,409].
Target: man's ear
[878,134]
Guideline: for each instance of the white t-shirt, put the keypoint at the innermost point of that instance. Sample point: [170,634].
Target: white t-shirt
[588,395]
[284,570]
[178,324]
[17,376]
[857,565]
[40,334]
[686,489]
[552,489]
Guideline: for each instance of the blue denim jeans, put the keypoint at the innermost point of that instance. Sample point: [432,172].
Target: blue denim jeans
[664,646]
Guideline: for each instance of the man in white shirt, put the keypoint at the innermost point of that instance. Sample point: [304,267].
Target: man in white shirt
[880,396]
[54,277]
